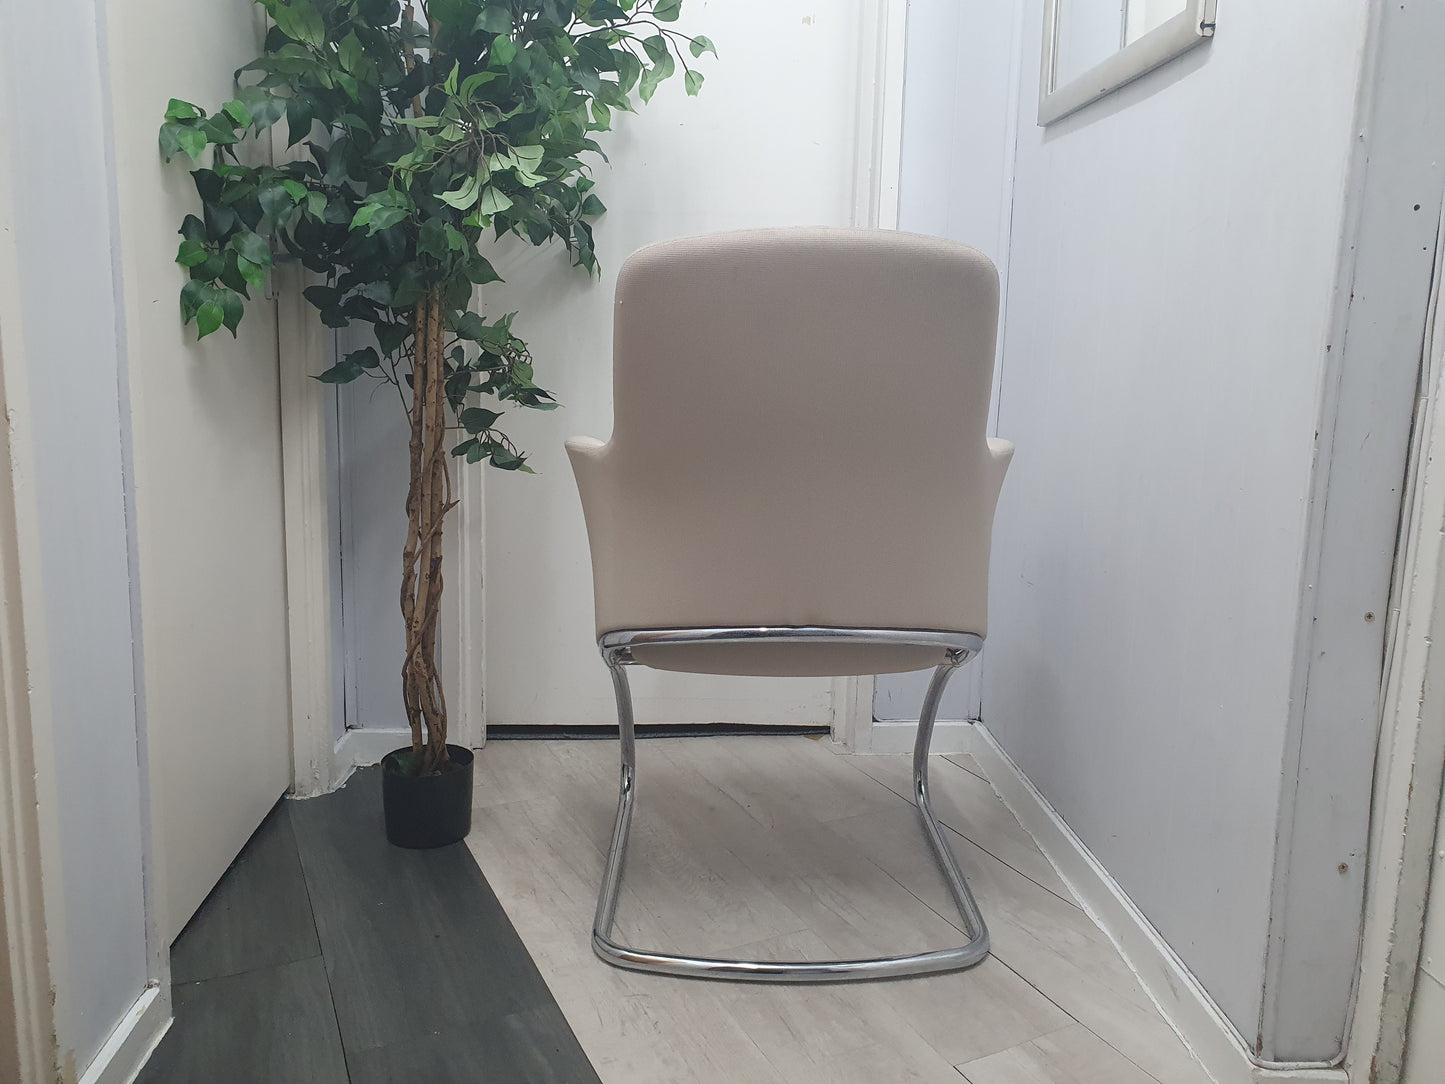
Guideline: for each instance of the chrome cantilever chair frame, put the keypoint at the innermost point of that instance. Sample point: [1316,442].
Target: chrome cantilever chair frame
[617,653]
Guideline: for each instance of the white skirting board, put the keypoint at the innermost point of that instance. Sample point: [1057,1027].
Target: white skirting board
[1190,1010]
[133,1041]
[896,736]
[361,747]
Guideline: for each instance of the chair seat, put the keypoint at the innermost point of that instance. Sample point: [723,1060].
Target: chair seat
[762,659]
[788,650]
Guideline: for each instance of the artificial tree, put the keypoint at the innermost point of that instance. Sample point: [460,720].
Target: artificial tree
[422,135]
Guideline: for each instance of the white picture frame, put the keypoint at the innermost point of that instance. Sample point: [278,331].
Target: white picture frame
[1190,28]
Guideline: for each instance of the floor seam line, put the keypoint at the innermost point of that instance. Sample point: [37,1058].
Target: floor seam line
[1077,1021]
[961,835]
[325,968]
[175,983]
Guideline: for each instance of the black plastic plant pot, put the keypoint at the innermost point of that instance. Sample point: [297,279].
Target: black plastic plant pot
[424,811]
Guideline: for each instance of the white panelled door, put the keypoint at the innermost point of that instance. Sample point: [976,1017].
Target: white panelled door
[206,439]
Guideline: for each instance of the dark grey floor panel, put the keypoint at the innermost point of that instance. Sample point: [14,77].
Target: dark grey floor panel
[416,944]
[531,1047]
[256,916]
[274,1025]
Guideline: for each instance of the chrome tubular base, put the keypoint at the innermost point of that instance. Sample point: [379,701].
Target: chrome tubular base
[958,649]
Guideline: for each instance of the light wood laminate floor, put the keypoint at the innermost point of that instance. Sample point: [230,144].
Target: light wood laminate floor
[780,847]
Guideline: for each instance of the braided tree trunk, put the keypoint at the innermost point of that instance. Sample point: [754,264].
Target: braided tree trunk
[428,500]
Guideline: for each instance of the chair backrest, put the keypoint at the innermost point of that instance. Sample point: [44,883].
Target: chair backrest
[799,435]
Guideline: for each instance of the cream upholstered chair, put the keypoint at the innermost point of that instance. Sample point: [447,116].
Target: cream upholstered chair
[799,482]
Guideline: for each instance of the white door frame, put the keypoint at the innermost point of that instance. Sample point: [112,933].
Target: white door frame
[1411,753]
[28,830]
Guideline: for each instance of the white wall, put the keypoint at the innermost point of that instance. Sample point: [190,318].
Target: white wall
[1172,273]
[207,472]
[63,336]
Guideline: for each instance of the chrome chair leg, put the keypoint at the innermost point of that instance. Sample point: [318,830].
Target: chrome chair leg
[882,967]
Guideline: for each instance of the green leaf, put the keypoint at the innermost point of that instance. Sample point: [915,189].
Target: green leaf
[363,215]
[408,291]
[478,419]
[385,218]
[299,115]
[323,297]
[316,203]
[208,318]
[390,337]
[232,307]
[365,358]
[343,372]
[471,326]
[253,247]
[191,253]
[300,21]
[170,146]
[667,11]
[493,201]
[474,82]
[275,203]
[654,75]
[480,270]
[380,292]
[702,44]
[529,158]
[504,51]
[450,85]
[656,47]
[253,273]
[295,189]
[629,68]
[692,80]
[193,295]
[192,141]
[238,112]
[494,19]
[351,54]
[179,110]
[463,196]
[431,239]
[267,110]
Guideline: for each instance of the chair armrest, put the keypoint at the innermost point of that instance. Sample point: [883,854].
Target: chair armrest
[587,447]
[587,455]
[1001,452]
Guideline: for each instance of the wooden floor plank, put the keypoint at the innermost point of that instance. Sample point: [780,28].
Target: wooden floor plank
[968,805]
[797,836]
[1051,944]
[415,942]
[258,915]
[273,1024]
[1073,1055]
[967,763]
[535,1046]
